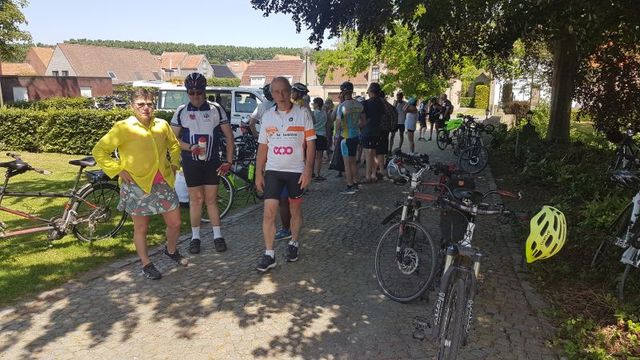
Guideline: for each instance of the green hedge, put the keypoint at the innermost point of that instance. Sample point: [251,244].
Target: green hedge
[55,103]
[232,82]
[68,131]
[466,101]
[482,97]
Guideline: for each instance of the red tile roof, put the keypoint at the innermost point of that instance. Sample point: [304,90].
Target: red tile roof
[43,54]
[17,69]
[127,64]
[172,60]
[272,68]
[338,76]
[192,62]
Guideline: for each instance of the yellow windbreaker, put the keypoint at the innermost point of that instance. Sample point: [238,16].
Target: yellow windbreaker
[142,151]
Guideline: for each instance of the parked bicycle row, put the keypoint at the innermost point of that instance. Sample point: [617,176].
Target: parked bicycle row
[410,260]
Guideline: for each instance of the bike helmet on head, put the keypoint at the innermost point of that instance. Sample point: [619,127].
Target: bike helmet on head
[195,81]
[266,90]
[412,101]
[548,232]
[346,86]
[626,178]
[300,87]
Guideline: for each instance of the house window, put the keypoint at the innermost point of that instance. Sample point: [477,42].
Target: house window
[85,91]
[112,75]
[20,94]
[65,73]
[156,75]
[257,80]
[138,75]
[55,73]
[375,74]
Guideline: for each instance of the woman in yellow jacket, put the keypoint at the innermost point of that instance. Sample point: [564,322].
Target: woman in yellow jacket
[146,175]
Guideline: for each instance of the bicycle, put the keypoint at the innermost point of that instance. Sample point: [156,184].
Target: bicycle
[406,254]
[624,235]
[90,213]
[626,151]
[453,308]
[241,176]
[447,135]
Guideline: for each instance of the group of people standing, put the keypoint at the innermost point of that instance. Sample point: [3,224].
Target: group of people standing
[435,110]
[292,142]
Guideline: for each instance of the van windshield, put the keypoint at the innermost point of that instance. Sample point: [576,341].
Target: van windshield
[171,99]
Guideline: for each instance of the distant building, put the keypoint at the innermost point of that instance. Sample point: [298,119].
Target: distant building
[261,72]
[39,58]
[238,67]
[121,65]
[181,64]
[223,71]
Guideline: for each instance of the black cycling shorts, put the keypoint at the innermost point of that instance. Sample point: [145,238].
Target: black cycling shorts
[370,142]
[400,127]
[349,147]
[198,173]
[321,143]
[383,144]
[276,181]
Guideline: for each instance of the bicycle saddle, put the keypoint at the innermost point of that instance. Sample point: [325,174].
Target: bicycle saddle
[467,194]
[84,162]
[15,165]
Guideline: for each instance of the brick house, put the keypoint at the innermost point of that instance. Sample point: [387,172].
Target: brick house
[261,72]
[121,65]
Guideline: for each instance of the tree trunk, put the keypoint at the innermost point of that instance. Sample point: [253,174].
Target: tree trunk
[565,66]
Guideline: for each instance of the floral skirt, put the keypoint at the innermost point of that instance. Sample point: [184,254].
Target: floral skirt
[135,201]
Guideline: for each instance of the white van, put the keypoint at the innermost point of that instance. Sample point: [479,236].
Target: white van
[238,102]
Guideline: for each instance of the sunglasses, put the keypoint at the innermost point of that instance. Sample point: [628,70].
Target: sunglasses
[142,104]
[195,92]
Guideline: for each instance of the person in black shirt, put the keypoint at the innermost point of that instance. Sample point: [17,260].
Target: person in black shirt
[371,131]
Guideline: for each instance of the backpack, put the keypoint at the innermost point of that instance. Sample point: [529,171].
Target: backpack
[389,118]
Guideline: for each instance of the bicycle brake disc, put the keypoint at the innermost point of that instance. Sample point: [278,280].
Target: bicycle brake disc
[409,262]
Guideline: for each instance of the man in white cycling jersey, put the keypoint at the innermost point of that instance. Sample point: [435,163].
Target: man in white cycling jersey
[285,160]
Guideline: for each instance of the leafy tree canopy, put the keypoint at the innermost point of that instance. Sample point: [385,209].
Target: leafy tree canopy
[11,36]
[398,53]
[577,32]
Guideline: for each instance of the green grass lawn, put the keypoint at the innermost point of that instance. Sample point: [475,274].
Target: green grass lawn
[30,263]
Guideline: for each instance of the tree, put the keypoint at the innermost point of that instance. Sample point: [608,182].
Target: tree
[11,35]
[449,30]
[398,53]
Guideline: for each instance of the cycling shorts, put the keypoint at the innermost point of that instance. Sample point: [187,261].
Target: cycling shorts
[276,181]
[349,147]
[198,173]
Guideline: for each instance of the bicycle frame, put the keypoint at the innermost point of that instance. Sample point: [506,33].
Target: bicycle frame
[67,215]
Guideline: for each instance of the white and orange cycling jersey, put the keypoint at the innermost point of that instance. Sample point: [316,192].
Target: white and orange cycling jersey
[285,134]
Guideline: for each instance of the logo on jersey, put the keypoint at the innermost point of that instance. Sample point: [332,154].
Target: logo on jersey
[283,150]
[192,116]
[271,131]
[290,119]
[206,115]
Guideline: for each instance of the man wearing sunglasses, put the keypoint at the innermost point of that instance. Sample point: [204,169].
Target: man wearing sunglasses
[195,125]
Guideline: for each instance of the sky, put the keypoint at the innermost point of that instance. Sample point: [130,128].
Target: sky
[214,22]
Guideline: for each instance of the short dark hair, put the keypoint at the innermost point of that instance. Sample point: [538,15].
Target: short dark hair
[375,88]
[141,93]
[318,101]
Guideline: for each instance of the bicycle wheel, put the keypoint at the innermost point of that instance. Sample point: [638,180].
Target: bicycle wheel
[442,139]
[226,193]
[97,215]
[405,274]
[629,286]
[451,331]
[473,159]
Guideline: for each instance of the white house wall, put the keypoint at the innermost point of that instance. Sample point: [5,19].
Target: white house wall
[60,63]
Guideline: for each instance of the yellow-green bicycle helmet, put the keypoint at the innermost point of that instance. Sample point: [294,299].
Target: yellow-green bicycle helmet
[547,234]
